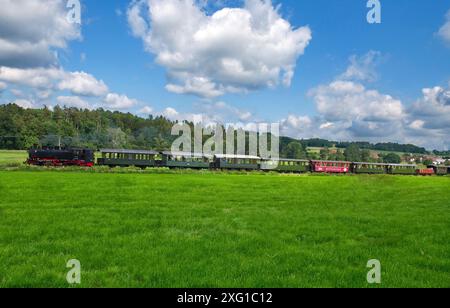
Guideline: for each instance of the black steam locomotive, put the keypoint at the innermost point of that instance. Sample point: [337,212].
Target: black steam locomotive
[61,157]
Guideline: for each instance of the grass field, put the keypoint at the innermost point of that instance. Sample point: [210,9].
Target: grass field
[217,230]
[12,157]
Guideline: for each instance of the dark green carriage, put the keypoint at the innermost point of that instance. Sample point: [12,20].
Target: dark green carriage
[127,158]
[236,162]
[286,165]
[402,169]
[369,168]
[186,160]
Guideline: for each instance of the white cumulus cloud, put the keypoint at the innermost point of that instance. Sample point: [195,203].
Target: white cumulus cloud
[208,113]
[24,103]
[363,68]
[147,110]
[349,110]
[31,30]
[349,101]
[73,101]
[173,115]
[232,50]
[444,31]
[117,101]
[81,83]
[42,78]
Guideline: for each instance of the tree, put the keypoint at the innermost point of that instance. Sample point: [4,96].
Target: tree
[160,144]
[427,162]
[294,150]
[117,137]
[365,156]
[352,153]
[340,155]
[392,158]
[447,163]
[325,153]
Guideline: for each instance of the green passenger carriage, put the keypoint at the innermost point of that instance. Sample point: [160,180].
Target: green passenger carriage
[286,165]
[186,160]
[369,168]
[402,169]
[126,158]
[237,162]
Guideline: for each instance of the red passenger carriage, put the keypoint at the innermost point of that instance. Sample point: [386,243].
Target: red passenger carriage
[428,171]
[322,166]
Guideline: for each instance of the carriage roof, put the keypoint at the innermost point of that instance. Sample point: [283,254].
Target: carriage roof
[135,152]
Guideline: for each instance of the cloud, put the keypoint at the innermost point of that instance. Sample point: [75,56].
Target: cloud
[348,110]
[432,112]
[349,101]
[31,34]
[363,68]
[42,78]
[31,30]
[297,126]
[444,31]
[197,86]
[44,94]
[73,101]
[299,122]
[3,86]
[46,81]
[197,118]
[116,101]
[147,110]
[26,104]
[223,112]
[17,93]
[429,119]
[207,113]
[231,50]
[81,83]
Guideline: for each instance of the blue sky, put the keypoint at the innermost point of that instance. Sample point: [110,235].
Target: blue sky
[415,57]
[410,54]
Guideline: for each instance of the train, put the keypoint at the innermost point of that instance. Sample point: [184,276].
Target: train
[181,160]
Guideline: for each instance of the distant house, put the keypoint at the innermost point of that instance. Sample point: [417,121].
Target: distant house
[439,161]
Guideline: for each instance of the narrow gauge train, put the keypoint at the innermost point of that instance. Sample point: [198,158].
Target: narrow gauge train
[61,157]
[143,159]
[151,159]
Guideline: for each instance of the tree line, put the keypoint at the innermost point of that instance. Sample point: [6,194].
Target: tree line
[386,147]
[71,127]
[353,153]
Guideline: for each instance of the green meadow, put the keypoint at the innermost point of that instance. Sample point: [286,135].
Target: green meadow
[12,157]
[222,230]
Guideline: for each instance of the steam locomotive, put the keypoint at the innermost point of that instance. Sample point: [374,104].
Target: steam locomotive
[61,157]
